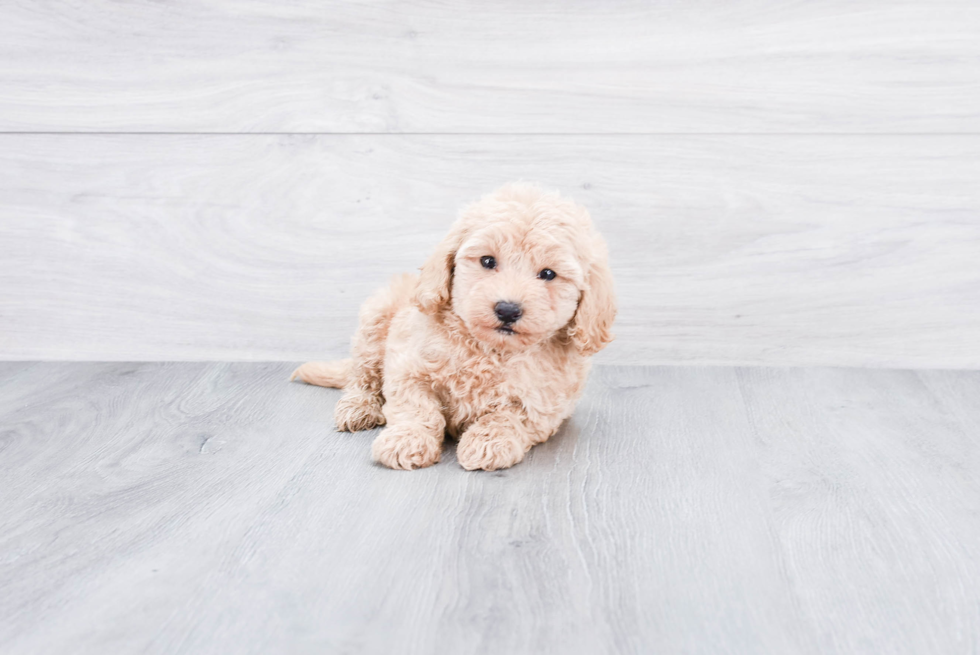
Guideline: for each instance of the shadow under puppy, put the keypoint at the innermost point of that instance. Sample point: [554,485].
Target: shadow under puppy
[491,343]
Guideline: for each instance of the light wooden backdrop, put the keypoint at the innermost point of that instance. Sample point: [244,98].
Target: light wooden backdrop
[780,182]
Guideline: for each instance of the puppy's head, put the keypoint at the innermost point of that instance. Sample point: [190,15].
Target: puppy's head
[519,266]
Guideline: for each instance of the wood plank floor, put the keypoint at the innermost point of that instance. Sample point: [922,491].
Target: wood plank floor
[210,508]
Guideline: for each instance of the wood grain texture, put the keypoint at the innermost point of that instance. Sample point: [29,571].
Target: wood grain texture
[209,508]
[767,66]
[741,249]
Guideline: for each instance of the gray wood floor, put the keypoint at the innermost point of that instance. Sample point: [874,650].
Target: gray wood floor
[210,508]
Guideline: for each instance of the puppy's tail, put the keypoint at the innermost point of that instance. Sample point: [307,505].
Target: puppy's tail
[324,374]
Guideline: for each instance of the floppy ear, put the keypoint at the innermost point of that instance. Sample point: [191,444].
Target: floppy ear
[437,273]
[597,307]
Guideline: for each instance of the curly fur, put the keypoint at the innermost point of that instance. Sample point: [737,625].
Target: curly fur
[429,357]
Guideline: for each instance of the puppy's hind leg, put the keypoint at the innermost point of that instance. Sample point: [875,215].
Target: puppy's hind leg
[360,406]
[358,409]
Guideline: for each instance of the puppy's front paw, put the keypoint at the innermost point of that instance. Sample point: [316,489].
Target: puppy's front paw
[406,447]
[358,411]
[490,448]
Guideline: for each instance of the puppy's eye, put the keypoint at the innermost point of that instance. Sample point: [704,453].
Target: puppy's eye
[547,274]
[488,262]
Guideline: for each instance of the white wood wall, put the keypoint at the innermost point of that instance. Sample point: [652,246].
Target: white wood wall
[780,182]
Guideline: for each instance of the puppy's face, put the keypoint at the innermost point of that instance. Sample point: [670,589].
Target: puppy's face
[516,283]
[518,266]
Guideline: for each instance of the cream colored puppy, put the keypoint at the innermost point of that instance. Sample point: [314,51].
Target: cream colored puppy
[491,343]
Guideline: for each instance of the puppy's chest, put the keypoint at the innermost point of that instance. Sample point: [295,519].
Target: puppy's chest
[473,386]
[475,380]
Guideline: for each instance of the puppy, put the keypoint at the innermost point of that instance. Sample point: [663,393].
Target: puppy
[490,344]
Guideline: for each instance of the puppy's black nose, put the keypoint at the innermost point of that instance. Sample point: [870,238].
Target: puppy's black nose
[507,312]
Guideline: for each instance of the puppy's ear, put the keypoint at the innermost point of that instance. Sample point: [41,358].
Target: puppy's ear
[593,320]
[436,278]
